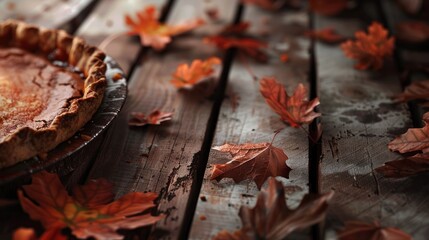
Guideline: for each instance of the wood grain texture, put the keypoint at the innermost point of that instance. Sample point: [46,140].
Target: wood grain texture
[164,158]
[253,121]
[359,119]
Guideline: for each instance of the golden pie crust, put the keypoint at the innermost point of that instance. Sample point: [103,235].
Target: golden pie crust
[42,104]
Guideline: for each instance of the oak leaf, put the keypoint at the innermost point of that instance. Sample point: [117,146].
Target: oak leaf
[418,90]
[354,230]
[272,219]
[91,212]
[413,31]
[187,76]
[295,109]
[154,33]
[370,49]
[256,161]
[326,35]
[156,117]
[328,7]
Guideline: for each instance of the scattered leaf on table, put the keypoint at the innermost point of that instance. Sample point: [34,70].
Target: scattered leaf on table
[328,7]
[370,49]
[249,46]
[406,167]
[418,90]
[413,31]
[410,6]
[326,35]
[92,212]
[354,230]
[256,161]
[295,109]
[154,33]
[187,76]
[284,57]
[272,219]
[415,139]
[156,117]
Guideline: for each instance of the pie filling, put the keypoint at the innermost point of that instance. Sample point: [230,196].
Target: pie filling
[33,91]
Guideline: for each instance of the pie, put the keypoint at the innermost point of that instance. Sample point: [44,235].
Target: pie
[50,86]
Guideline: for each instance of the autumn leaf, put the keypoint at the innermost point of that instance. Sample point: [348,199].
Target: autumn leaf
[354,230]
[413,31]
[91,212]
[154,33]
[326,35]
[418,90]
[296,109]
[406,167]
[156,117]
[328,7]
[272,219]
[284,57]
[249,46]
[256,161]
[187,76]
[370,49]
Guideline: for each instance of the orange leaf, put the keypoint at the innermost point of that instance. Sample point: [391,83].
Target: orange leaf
[152,32]
[326,35]
[413,31]
[328,7]
[87,214]
[354,230]
[370,49]
[272,219]
[187,76]
[256,161]
[295,109]
[416,90]
[415,139]
[154,118]
[405,167]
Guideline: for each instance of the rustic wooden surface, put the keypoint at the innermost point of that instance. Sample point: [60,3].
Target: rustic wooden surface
[174,159]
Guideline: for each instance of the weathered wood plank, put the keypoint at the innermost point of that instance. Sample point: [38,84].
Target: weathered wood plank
[48,13]
[359,119]
[163,158]
[253,121]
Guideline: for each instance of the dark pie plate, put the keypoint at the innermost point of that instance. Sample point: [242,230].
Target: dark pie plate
[72,154]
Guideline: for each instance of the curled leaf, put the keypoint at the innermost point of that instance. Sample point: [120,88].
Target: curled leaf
[154,118]
[296,109]
[187,76]
[370,49]
[154,33]
[272,219]
[354,230]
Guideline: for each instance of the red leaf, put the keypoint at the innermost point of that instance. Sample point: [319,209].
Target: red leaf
[272,219]
[328,7]
[295,109]
[326,35]
[370,49]
[154,118]
[152,32]
[249,46]
[413,31]
[284,57]
[49,203]
[354,230]
[256,161]
[187,76]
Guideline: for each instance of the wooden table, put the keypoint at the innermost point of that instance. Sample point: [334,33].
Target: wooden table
[175,159]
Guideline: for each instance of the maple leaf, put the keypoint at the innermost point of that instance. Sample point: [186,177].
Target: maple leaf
[256,161]
[247,45]
[186,76]
[328,7]
[326,35]
[354,230]
[154,33]
[295,109]
[272,219]
[413,31]
[406,167]
[416,90]
[156,117]
[90,213]
[370,49]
